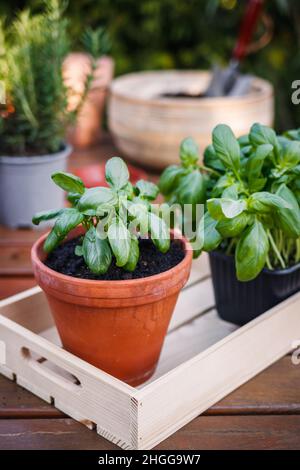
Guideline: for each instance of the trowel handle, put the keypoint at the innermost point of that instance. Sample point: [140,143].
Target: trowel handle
[247,28]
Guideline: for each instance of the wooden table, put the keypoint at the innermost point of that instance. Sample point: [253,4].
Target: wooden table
[262,414]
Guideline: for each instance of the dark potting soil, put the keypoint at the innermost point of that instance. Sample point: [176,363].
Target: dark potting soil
[181,94]
[151,262]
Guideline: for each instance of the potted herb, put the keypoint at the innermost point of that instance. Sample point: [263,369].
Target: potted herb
[35,118]
[251,227]
[111,289]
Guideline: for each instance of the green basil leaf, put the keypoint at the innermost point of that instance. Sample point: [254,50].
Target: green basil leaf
[120,240]
[230,228]
[52,241]
[169,179]
[290,155]
[226,147]
[116,173]
[288,219]
[96,252]
[266,202]
[67,220]
[191,188]
[45,215]
[223,182]
[78,250]
[73,198]
[94,197]
[147,189]
[207,237]
[160,233]
[133,255]
[212,160]
[260,135]
[251,252]
[293,134]
[256,160]
[225,208]
[68,182]
[231,192]
[189,152]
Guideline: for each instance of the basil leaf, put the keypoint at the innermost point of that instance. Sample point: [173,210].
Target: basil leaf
[169,179]
[73,198]
[160,233]
[189,152]
[225,208]
[45,215]
[120,240]
[52,241]
[232,227]
[288,219]
[226,147]
[94,197]
[78,250]
[260,134]
[147,189]
[266,202]
[116,173]
[133,255]
[290,155]
[231,192]
[212,160]
[256,160]
[96,252]
[68,182]
[207,237]
[68,219]
[191,189]
[251,252]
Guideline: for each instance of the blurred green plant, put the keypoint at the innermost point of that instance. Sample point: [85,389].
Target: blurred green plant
[32,50]
[161,34]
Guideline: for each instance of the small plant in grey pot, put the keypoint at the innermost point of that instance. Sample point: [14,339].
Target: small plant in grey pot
[35,115]
[251,226]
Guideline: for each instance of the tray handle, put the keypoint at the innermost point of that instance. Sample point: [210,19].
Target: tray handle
[50,371]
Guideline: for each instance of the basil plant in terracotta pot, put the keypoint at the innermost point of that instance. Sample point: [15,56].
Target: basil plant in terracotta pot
[112,272]
[251,227]
[34,112]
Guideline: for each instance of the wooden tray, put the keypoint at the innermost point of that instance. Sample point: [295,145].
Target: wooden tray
[203,359]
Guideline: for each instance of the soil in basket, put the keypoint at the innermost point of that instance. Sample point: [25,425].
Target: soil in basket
[151,262]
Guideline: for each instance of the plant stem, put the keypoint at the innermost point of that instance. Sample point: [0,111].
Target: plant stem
[275,249]
[209,170]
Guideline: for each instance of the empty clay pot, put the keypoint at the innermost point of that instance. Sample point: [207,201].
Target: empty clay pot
[118,326]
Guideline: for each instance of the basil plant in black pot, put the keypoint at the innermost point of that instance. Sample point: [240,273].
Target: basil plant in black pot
[251,225]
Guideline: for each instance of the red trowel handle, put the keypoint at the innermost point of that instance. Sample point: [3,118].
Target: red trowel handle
[247,28]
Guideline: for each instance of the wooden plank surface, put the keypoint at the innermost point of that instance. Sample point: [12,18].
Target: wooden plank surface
[264,413]
[205,433]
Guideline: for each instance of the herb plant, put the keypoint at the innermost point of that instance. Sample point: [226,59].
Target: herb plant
[252,198]
[32,50]
[113,218]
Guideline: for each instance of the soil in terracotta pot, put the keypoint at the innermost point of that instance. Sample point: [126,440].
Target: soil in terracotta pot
[151,262]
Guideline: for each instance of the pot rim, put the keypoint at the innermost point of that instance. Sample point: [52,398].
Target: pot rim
[272,272]
[37,159]
[35,259]
[265,90]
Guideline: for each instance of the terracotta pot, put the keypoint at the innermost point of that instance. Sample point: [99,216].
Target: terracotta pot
[118,326]
[87,130]
[148,127]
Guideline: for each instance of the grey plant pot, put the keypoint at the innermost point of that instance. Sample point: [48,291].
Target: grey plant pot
[26,186]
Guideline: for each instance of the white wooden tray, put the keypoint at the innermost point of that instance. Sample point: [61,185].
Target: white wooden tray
[203,359]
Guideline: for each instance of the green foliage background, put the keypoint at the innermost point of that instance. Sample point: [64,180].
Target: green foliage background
[162,34]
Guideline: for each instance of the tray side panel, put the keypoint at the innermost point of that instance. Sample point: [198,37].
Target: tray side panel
[191,388]
[92,397]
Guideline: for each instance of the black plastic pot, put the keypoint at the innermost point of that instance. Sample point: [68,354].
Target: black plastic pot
[240,302]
